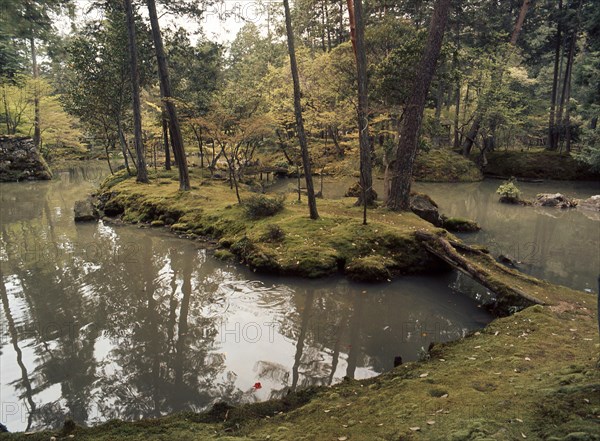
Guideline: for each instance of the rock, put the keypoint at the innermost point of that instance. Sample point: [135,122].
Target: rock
[20,160]
[85,211]
[460,225]
[591,203]
[554,200]
[424,207]
[508,261]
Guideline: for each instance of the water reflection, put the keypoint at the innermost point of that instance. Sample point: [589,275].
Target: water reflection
[102,322]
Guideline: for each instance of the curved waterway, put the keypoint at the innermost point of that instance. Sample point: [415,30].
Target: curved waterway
[101,321]
[561,246]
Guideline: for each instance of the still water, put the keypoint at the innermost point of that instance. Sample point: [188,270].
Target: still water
[101,321]
[561,246]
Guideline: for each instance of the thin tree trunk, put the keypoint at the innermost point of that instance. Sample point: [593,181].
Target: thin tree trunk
[566,92]
[366,179]
[37,134]
[165,130]
[312,202]
[399,198]
[123,146]
[165,88]
[551,142]
[142,172]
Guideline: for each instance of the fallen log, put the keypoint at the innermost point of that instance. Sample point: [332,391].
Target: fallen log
[487,272]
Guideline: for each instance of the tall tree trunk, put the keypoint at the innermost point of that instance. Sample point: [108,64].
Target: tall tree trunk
[167,96]
[399,198]
[165,131]
[552,141]
[366,178]
[312,202]
[564,124]
[496,79]
[142,172]
[37,133]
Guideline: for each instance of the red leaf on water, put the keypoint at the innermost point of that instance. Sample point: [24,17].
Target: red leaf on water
[257,385]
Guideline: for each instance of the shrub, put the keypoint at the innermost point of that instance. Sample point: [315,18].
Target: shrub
[260,206]
[509,190]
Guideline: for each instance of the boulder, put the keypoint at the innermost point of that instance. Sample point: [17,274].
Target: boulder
[424,207]
[20,160]
[460,225]
[85,211]
[554,200]
[591,203]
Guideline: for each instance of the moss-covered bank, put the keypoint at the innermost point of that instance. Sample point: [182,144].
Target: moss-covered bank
[537,165]
[286,243]
[443,165]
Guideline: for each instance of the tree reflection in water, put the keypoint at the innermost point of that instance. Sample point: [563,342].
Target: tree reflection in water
[104,322]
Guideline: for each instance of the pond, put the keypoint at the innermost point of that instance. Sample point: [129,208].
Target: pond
[100,321]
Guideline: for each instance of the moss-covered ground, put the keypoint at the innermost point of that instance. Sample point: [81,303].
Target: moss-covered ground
[531,375]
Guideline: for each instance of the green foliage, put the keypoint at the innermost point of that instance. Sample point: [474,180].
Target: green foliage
[260,206]
[273,233]
[509,190]
[590,149]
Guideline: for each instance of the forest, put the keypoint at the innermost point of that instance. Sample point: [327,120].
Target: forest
[308,219]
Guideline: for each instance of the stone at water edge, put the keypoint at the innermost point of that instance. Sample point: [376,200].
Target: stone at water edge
[424,207]
[20,160]
[554,200]
[591,203]
[85,211]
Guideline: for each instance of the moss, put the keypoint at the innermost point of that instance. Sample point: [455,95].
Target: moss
[369,269]
[537,165]
[460,225]
[225,255]
[445,166]
[157,223]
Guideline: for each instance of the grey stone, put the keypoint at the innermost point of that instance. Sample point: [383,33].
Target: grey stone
[20,160]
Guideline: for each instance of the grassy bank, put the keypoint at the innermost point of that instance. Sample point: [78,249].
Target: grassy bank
[532,375]
[540,164]
[443,165]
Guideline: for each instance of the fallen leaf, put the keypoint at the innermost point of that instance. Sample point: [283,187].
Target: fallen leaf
[431,422]
[257,385]
[342,438]
[415,429]
[424,375]
[523,435]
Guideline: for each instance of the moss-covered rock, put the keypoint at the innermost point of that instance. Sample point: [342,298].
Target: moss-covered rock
[460,225]
[20,160]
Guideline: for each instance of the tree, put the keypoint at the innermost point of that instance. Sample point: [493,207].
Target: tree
[496,80]
[167,95]
[142,172]
[312,202]
[399,197]
[366,178]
